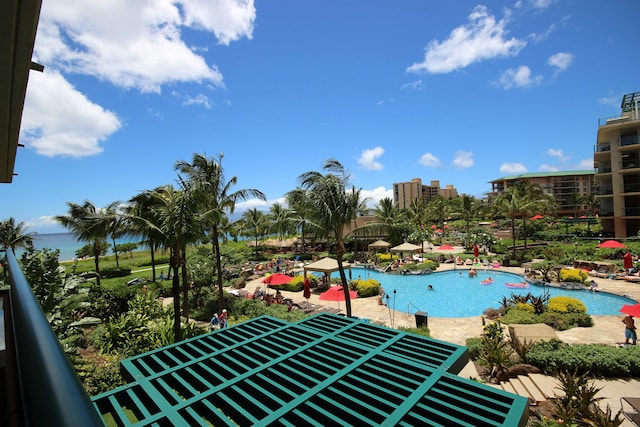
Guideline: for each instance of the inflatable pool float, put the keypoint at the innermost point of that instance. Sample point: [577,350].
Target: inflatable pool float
[518,285]
[487,281]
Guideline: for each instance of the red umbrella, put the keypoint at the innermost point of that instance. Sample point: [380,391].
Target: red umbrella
[476,251]
[434,226]
[277,279]
[536,217]
[306,292]
[611,244]
[336,293]
[631,310]
[445,248]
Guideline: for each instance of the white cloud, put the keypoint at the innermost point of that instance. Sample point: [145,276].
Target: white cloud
[368,158]
[42,223]
[463,159]
[586,163]
[482,38]
[59,120]
[415,85]
[374,196]
[199,99]
[254,204]
[520,77]
[429,160]
[613,101]
[137,44]
[561,61]
[513,168]
[558,154]
[548,168]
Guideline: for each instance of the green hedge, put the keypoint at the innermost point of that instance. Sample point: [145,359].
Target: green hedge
[595,359]
[111,272]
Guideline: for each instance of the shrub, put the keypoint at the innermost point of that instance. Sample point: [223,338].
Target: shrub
[598,360]
[110,272]
[520,315]
[367,288]
[475,347]
[573,275]
[386,258]
[561,304]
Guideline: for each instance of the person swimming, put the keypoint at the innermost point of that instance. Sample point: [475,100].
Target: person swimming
[430,287]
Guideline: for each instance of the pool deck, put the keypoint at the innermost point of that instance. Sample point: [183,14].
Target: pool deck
[607,330]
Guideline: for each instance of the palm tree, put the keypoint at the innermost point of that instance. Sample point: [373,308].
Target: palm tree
[416,215]
[256,225]
[216,198]
[298,201]
[520,201]
[389,216]
[592,203]
[279,217]
[14,235]
[468,209]
[89,224]
[139,215]
[174,217]
[333,207]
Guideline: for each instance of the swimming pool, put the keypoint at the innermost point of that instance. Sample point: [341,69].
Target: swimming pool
[457,295]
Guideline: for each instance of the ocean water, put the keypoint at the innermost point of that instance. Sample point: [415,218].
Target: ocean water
[67,243]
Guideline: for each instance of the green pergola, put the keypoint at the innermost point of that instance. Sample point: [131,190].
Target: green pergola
[323,370]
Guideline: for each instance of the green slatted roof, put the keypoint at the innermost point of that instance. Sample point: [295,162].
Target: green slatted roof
[323,370]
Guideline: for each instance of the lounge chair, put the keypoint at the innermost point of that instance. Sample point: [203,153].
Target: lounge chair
[634,403]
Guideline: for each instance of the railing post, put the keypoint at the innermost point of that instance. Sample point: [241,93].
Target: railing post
[52,394]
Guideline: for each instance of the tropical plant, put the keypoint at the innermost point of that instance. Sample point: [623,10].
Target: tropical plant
[216,199]
[334,203]
[256,225]
[89,224]
[495,353]
[14,235]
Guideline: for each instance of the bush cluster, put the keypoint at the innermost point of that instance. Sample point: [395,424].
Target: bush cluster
[562,304]
[573,275]
[110,272]
[367,288]
[595,359]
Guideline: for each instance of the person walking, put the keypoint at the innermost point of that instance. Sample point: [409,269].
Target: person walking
[213,324]
[630,330]
[224,317]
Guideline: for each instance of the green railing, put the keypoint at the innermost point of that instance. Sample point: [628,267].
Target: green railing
[50,392]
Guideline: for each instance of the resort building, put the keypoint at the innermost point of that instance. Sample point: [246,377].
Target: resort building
[405,192]
[617,161]
[561,185]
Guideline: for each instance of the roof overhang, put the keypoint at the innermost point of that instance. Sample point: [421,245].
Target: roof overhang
[18,25]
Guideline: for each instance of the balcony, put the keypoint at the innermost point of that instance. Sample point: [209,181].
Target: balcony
[604,191]
[632,211]
[631,188]
[602,148]
[40,386]
[603,169]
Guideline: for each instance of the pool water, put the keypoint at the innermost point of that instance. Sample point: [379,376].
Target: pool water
[457,295]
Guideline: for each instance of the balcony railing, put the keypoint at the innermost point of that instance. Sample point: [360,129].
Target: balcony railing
[601,148]
[632,211]
[632,188]
[47,390]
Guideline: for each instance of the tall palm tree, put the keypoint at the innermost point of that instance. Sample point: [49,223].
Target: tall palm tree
[388,214]
[256,225]
[468,207]
[416,216]
[334,203]
[139,216]
[279,217]
[298,201]
[89,224]
[215,195]
[174,216]
[520,201]
[14,235]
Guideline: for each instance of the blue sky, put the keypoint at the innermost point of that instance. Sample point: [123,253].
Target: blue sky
[461,92]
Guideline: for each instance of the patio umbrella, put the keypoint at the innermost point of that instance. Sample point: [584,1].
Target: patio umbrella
[611,244]
[476,251]
[536,217]
[336,293]
[631,310]
[277,279]
[445,248]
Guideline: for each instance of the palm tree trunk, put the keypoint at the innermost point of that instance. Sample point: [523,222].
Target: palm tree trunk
[175,291]
[185,285]
[152,246]
[524,230]
[216,248]
[340,250]
[96,260]
[513,235]
[115,251]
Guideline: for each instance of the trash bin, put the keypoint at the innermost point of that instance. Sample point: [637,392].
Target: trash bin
[422,319]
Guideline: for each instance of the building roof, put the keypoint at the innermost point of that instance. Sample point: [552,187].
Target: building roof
[322,370]
[543,175]
[18,24]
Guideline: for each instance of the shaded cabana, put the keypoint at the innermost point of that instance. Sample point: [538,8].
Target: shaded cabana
[379,244]
[406,247]
[326,265]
